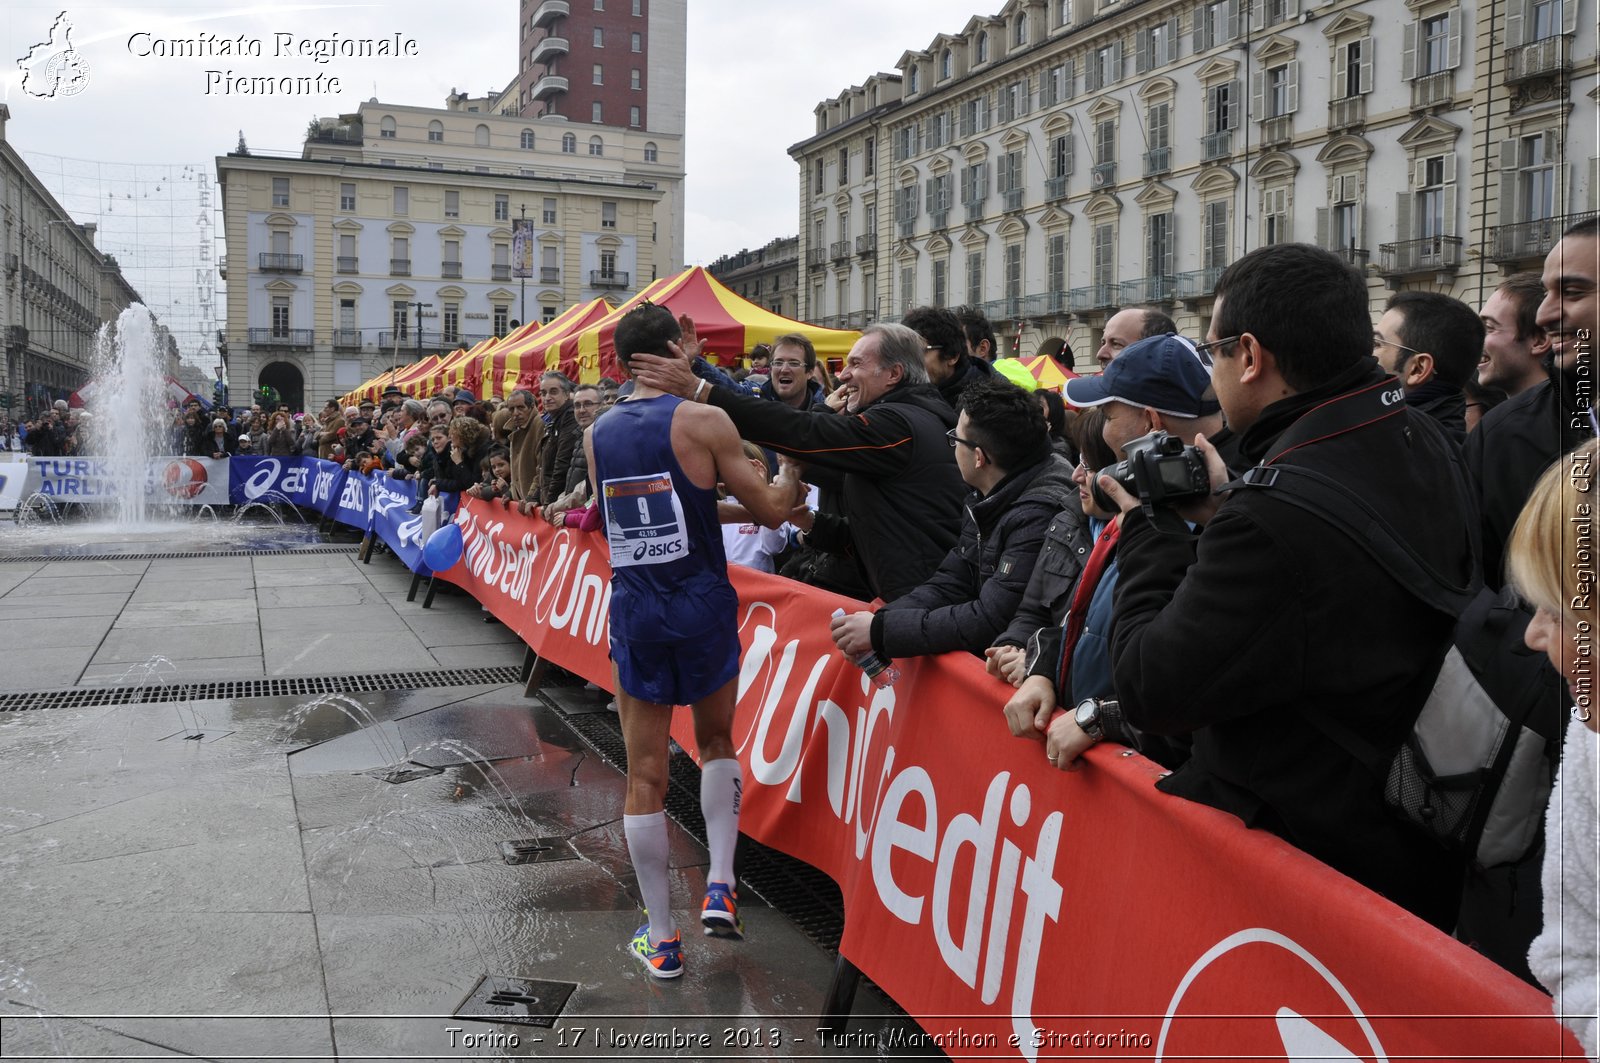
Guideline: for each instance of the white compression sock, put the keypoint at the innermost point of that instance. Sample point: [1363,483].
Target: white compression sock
[647,848]
[721,785]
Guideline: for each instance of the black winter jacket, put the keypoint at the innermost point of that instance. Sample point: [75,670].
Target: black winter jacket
[561,436]
[1512,445]
[1066,547]
[975,592]
[902,492]
[971,371]
[1271,621]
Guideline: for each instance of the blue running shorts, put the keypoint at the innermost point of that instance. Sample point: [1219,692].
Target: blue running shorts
[681,672]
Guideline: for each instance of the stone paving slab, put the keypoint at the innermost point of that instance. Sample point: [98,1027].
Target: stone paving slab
[40,585]
[32,635]
[80,569]
[238,591]
[458,628]
[336,594]
[289,653]
[183,670]
[44,669]
[193,642]
[202,609]
[493,655]
[41,606]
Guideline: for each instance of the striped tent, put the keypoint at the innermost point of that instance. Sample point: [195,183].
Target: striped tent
[729,325]
[371,389]
[510,367]
[1048,372]
[460,368]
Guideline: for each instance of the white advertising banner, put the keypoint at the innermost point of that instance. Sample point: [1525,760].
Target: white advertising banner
[170,481]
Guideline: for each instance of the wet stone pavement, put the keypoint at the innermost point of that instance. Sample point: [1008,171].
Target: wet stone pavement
[238,879]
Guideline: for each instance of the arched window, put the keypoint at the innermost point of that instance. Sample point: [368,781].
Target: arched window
[650,151]
[480,136]
[527,140]
[386,127]
[946,65]
[1019,32]
[569,143]
[597,146]
[983,47]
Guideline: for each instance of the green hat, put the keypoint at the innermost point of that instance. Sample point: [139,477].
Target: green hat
[1013,370]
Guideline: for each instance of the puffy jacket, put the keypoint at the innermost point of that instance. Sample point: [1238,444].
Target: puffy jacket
[901,491]
[1067,543]
[974,594]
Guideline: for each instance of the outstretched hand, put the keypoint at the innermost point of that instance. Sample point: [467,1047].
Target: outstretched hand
[691,344]
[671,376]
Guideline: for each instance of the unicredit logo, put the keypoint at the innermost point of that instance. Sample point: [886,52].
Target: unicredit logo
[1305,1012]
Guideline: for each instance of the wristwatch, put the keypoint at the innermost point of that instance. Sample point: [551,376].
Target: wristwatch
[1087,716]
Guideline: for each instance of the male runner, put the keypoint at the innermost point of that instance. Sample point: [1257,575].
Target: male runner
[674,625]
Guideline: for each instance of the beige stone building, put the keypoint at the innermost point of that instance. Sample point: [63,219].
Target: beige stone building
[768,276]
[1064,158]
[331,253]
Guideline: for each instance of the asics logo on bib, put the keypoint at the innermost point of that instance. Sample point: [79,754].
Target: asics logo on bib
[661,549]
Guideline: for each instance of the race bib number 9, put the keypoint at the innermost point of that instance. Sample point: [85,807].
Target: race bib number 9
[644,520]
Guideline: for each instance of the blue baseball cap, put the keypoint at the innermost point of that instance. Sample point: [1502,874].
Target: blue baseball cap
[1163,373]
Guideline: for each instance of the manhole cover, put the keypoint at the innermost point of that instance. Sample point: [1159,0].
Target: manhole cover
[399,773]
[538,850]
[522,1001]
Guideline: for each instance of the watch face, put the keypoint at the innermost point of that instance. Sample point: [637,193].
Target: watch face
[1088,713]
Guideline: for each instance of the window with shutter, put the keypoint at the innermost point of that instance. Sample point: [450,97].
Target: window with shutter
[974,277]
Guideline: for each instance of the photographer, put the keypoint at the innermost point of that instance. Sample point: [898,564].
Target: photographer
[1273,634]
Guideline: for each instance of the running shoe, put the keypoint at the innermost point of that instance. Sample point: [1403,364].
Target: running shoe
[720,912]
[662,961]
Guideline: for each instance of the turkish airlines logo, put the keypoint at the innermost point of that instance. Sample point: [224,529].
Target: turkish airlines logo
[1269,970]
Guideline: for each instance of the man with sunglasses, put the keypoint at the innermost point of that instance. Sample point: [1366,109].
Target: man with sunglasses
[1273,637]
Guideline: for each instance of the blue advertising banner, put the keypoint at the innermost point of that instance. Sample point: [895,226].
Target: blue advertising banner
[273,480]
[350,506]
[393,522]
[167,481]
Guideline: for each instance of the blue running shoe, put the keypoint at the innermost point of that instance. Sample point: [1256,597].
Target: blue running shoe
[720,912]
[662,961]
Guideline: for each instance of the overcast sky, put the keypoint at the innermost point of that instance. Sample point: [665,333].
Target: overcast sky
[756,70]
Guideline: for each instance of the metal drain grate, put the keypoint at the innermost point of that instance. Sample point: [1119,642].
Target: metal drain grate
[92,697]
[343,548]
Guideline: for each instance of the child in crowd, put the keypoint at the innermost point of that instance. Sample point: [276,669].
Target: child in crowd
[746,542]
[496,482]
[411,457]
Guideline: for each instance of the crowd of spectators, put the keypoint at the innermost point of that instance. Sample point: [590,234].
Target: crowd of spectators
[1248,645]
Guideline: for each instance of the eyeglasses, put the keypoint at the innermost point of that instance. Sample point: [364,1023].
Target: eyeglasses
[954,439]
[1379,341]
[935,347]
[1204,349]
[788,365]
[584,404]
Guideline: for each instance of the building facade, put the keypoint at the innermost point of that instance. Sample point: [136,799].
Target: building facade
[1064,158]
[56,289]
[391,237]
[768,276]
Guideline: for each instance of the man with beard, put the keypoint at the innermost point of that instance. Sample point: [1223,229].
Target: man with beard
[789,373]
[1517,440]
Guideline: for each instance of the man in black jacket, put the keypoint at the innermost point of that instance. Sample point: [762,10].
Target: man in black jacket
[1518,439]
[1432,343]
[1018,484]
[562,435]
[1273,637]
[944,354]
[901,488]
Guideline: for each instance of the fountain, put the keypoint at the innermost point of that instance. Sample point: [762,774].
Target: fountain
[130,408]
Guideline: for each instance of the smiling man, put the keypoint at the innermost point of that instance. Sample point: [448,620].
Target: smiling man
[902,492]
[789,373]
[1514,346]
[1518,439]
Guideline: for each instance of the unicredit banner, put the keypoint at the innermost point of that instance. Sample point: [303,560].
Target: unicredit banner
[1015,910]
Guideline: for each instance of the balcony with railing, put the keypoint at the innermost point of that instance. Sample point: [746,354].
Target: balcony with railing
[908,229]
[1277,132]
[1104,175]
[500,271]
[1157,161]
[840,250]
[548,49]
[1156,289]
[1439,256]
[976,208]
[867,244]
[1520,242]
[347,264]
[450,270]
[1092,297]
[1433,90]
[1197,284]
[346,339]
[549,274]
[399,267]
[549,85]
[1348,113]
[1218,145]
[1552,55]
[280,337]
[1055,188]
[549,11]
[1354,256]
[1011,308]
[1045,304]
[600,278]
[269,262]
[1012,199]
[938,219]
[816,257]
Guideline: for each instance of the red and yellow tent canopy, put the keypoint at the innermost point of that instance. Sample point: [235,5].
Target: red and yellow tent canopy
[512,368]
[729,325]
[1048,372]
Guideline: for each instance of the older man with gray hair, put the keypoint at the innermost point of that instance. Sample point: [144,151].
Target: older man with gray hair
[890,453]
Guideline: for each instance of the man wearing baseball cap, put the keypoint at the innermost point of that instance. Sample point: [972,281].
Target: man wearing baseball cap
[1156,383]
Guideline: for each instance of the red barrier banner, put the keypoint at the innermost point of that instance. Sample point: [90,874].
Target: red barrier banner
[1017,911]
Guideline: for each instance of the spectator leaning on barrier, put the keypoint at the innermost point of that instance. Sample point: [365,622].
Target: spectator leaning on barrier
[1018,484]
[523,432]
[1272,631]
[944,353]
[901,487]
[460,466]
[1518,439]
[280,441]
[585,408]
[220,443]
[334,421]
[1432,343]
[1554,528]
[561,435]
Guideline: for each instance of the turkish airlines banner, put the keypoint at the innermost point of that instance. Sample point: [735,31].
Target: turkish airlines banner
[167,481]
[1018,911]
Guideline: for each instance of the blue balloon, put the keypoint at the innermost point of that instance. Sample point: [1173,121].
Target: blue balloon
[443,548]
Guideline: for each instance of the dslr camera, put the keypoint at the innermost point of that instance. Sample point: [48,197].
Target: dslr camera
[1160,470]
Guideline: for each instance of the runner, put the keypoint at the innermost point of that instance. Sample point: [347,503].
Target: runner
[674,624]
